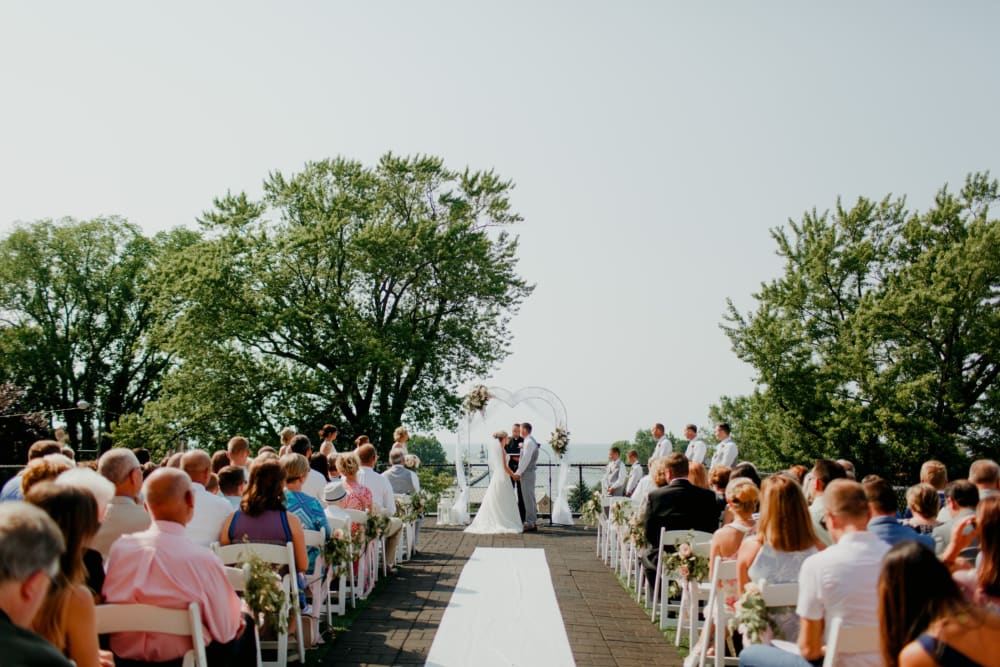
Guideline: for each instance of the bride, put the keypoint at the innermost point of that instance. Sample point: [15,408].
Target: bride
[498,513]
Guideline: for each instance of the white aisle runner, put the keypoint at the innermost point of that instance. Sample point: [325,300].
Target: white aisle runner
[503,612]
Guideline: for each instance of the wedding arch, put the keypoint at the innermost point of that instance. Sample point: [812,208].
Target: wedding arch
[477,403]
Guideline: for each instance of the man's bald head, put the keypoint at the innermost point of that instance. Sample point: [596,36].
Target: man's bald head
[197,464]
[168,495]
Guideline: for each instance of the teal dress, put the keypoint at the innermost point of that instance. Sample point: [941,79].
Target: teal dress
[311,514]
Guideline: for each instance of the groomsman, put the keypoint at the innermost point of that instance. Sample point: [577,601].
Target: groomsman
[634,472]
[726,451]
[663,444]
[696,448]
[613,482]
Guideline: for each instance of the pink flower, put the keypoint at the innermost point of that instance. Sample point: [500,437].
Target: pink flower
[338,534]
[684,570]
[684,550]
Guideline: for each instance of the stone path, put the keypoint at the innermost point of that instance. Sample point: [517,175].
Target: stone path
[604,625]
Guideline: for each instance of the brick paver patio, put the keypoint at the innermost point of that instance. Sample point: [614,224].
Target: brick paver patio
[604,625]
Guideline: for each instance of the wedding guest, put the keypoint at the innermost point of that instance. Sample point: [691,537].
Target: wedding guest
[883,522]
[961,498]
[30,547]
[677,506]
[839,581]
[327,439]
[923,617]
[823,473]
[212,485]
[174,460]
[401,480]
[210,510]
[698,475]
[401,436]
[103,491]
[335,495]
[163,567]
[148,468]
[980,584]
[66,618]
[141,454]
[125,514]
[314,482]
[331,466]
[360,440]
[726,452]
[306,507]
[799,473]
[232,484]
[934,473]
[696,447]
[784,539]
[663,445]
[411,461]
[747,470]
[922,501]
[358,495]
[741,499]
[985,474]
[238,449]
[265,455]
[41,448]
[45,469]
[718,480]
[263,516]
[613,482]
[321,464]
[220,460]
[649,482]
[848,468]
[634,472]
[382,496]
[267,449]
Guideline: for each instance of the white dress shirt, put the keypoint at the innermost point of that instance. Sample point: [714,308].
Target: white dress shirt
[725,454]
[314,485]
[381,489]
[663,447]
[696,450]
[210,512]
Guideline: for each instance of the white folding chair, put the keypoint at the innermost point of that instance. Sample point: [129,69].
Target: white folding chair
[318,582]
[364,580]
[847,639]
[692,592]
[113,618]
[340,606]
[405,549]
[238,577]
[667,539]
[282,556]
[605,515]
[717,613]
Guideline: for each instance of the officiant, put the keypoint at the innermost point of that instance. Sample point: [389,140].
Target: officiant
[513,448]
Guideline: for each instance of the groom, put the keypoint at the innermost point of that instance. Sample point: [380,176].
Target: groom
[525,474]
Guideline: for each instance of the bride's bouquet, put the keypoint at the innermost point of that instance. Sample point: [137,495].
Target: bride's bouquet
[477,399]
[559,441]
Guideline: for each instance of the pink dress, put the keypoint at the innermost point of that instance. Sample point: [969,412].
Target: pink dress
[358,497]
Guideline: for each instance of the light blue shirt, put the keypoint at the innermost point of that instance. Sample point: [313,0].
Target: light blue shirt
[892,532]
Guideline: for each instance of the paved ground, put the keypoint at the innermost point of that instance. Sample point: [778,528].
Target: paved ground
[604,625]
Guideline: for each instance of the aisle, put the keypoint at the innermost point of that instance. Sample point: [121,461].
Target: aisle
[604,626]
[503,612]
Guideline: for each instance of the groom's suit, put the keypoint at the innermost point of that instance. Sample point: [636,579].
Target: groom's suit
[526,469]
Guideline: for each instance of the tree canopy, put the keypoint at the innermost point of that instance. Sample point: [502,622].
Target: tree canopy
[360,295]
[879,341]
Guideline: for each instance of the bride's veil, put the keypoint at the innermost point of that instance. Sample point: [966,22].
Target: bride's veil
[494,449]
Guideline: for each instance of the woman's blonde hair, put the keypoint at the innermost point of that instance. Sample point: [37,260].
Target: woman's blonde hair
[348,464]
[400,433]
[742,494]
[658,471]
[296,467]
[697,474]
[784,517]
[500,435]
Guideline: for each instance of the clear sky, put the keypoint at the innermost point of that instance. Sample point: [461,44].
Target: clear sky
[653,144]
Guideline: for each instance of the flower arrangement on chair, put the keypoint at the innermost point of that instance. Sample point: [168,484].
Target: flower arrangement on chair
[752,619]
[264,595]
[337,551]
[377,525]
[619,516]
[559,441]
[591,510]
[637,531]
[477,399]
[685,563]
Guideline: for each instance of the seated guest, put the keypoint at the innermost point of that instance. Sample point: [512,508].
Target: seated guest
[321,464]
[741,500]
[359,497]
[212,485]
[141,455]
[798,472]
[361,440]
[334,494]
[263,517]
[883,522]
[979,584]
[698,475]
[784,539]
[925,620]
[314,482]
[12,489]
[747,470]
[961,498]
[934,473]
[331,466]
[125,513]
[677,506]
[985,474]
[30,547]
[823,472]
[848,468]
[839,581]
[210,510]
[162,566]
[103,491]
[232,484]
[45,469]
[401,480]
[382,496]
[922,503]
[220,460]
[238,451]
[66,618]
[308,510]
[656,477]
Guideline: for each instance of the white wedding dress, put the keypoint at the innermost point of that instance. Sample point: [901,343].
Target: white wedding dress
[498,513]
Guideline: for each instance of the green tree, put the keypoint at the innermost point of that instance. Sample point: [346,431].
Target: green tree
[428,449]
[76,298]
[364,295]
[18,427]
[878,343]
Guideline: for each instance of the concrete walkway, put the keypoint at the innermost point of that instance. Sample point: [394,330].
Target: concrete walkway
[604,625]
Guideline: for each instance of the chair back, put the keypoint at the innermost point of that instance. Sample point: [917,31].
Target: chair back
[779,595]
[358,516]
[270,553]
[669,537]
[845,639]
[315,538]
[238,577]
[338,523]
[112,618]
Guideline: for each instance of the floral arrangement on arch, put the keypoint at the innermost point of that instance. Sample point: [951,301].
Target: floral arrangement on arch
[477,399]
[684,562]
[559,441]
[264,594]
[752,619]
[591,510]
